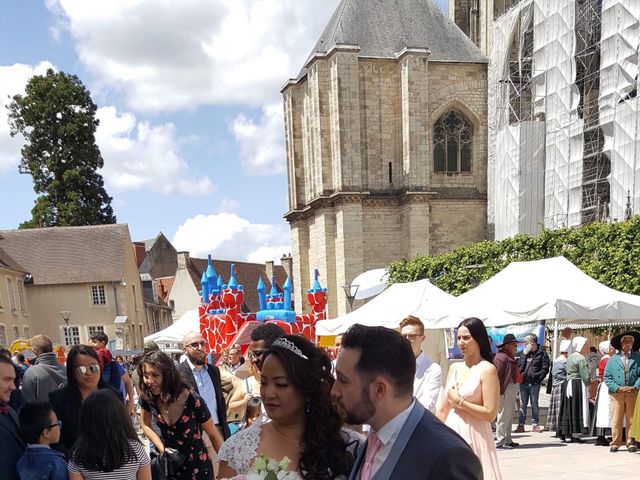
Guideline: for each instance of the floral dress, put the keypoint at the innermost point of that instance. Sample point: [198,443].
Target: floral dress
[186,436]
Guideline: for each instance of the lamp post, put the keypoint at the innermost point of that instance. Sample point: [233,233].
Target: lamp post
[66,315]
[350,291]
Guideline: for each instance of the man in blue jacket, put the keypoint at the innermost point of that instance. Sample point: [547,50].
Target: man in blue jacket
[622,377]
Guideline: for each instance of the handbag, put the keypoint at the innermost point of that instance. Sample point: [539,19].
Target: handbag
[169,463]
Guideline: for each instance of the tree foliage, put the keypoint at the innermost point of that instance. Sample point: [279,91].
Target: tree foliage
[608,252]
[56,116]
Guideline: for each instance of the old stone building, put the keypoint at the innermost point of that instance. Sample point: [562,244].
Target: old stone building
[386,141]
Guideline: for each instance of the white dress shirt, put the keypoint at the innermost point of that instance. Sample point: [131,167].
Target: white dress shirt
[388,435]
[428,382]
[206,389]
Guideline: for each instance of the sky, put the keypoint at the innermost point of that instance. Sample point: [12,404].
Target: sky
[191,121]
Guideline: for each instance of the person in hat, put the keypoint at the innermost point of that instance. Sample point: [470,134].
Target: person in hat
[510,378]
[558,377]
[601,420]
[622,376]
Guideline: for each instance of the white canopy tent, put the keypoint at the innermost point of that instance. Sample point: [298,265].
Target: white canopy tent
[371,283]
[188,322]
[388,308]
[549,289]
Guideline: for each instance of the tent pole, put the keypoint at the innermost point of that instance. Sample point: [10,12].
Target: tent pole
[555,339]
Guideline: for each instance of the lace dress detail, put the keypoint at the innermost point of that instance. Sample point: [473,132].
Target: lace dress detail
[239,451]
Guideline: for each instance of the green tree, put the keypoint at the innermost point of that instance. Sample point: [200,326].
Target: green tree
[56,116]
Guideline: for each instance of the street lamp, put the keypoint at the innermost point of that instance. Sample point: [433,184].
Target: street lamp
[66,315]
[350,291]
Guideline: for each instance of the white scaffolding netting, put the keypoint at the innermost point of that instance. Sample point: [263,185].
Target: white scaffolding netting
[618,101]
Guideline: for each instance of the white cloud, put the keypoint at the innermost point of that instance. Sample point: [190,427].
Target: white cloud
[138,155]
[227,205]
[227,236]
[13,80]
[168,55]
[261,145]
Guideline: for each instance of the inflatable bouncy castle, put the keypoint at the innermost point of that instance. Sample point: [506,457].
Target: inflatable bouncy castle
[223,323]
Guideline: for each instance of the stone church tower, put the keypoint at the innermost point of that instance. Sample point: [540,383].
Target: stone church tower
[386,140]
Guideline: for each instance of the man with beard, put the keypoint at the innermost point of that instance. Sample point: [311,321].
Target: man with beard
[205,380]
[375,373]
[11,444]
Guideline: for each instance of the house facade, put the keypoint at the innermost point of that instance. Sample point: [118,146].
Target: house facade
[81,280]
[14,309]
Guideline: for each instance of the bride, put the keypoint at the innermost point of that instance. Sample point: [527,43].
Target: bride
[295,386]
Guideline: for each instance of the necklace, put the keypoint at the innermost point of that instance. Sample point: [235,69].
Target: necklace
[297,442]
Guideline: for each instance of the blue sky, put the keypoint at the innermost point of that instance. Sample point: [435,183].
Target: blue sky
[191,118]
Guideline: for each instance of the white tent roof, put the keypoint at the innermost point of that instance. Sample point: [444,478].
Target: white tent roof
[388,308]
[546,289]
[188,322]
[371,283]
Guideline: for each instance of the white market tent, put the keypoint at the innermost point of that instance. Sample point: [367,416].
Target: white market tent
[549,289]
[188,322]
[388,308]
[371,283]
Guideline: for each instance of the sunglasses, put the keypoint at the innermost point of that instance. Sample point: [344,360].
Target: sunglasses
[257,354]
[83,370]
[196,345]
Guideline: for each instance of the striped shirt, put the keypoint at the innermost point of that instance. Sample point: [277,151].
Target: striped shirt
[128,471]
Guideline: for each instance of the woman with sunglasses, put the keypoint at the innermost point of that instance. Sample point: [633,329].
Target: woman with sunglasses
[83,375]
[181,415]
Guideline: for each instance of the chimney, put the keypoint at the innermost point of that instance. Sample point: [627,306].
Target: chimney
[287,264]
[268,266]
[183,260]
[140,252]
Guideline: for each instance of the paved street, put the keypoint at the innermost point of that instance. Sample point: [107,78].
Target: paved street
[541,456]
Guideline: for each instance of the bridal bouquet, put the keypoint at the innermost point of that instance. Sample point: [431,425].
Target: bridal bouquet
[268,469]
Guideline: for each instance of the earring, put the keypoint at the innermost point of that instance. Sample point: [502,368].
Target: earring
[308,406]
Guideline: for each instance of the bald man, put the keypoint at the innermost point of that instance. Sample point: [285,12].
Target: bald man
[205,380]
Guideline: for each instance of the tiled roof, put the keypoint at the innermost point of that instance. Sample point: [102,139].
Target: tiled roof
[7,262]
[383,28]
[247,274]
[60,255]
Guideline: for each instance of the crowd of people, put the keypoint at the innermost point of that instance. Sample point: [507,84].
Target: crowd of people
[379,408]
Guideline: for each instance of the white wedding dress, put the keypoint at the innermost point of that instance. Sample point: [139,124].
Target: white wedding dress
[239,451]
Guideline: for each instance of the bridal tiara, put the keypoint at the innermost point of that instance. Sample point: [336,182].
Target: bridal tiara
[289,345]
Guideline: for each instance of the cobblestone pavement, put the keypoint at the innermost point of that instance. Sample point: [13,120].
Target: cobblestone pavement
[540,456]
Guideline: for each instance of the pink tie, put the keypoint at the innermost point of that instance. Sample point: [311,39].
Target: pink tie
[373,445]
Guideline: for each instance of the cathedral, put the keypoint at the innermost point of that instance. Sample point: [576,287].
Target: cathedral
[386,141]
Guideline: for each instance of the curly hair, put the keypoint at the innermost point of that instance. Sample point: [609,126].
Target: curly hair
[325,454]
[172,382]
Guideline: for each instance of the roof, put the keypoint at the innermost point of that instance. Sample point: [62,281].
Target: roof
[9,263]
[62,255]
[247,274]
[383,28]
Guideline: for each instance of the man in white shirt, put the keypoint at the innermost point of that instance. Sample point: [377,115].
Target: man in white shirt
[428,380]
[374,385]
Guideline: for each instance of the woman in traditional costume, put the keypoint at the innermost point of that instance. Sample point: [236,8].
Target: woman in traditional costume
[573,418]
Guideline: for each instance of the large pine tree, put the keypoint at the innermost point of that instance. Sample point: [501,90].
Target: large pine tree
[56,116]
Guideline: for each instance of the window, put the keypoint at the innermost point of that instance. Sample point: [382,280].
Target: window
[156,323]
[91,329]
[26,333]
[452,136]
[23,304]
[16,332]
[12,295]
[3,336]
[97,295]
[70,336]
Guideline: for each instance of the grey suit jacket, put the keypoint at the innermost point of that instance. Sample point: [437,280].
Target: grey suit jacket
[425,449]
[11,445]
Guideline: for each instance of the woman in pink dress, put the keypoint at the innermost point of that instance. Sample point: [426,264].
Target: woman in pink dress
[472,395]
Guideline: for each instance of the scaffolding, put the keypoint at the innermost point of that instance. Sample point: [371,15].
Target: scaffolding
[564,76]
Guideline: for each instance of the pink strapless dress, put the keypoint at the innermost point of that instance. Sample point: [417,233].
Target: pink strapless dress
[476,432]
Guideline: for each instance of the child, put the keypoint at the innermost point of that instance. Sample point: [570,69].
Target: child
[40,428]
[252,411]
[108,446]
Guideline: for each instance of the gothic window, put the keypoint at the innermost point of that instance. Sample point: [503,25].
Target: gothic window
[452,135]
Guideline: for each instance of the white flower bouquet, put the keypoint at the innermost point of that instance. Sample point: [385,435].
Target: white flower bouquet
[268,469]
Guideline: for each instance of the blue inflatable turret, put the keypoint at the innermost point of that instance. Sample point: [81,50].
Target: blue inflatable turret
[276,308]
[205,288]
[262,294]
[287,294]
[220,283]
[233,283]
[316,283]
[212,276]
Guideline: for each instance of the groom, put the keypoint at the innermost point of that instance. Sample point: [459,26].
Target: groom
[374,385]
